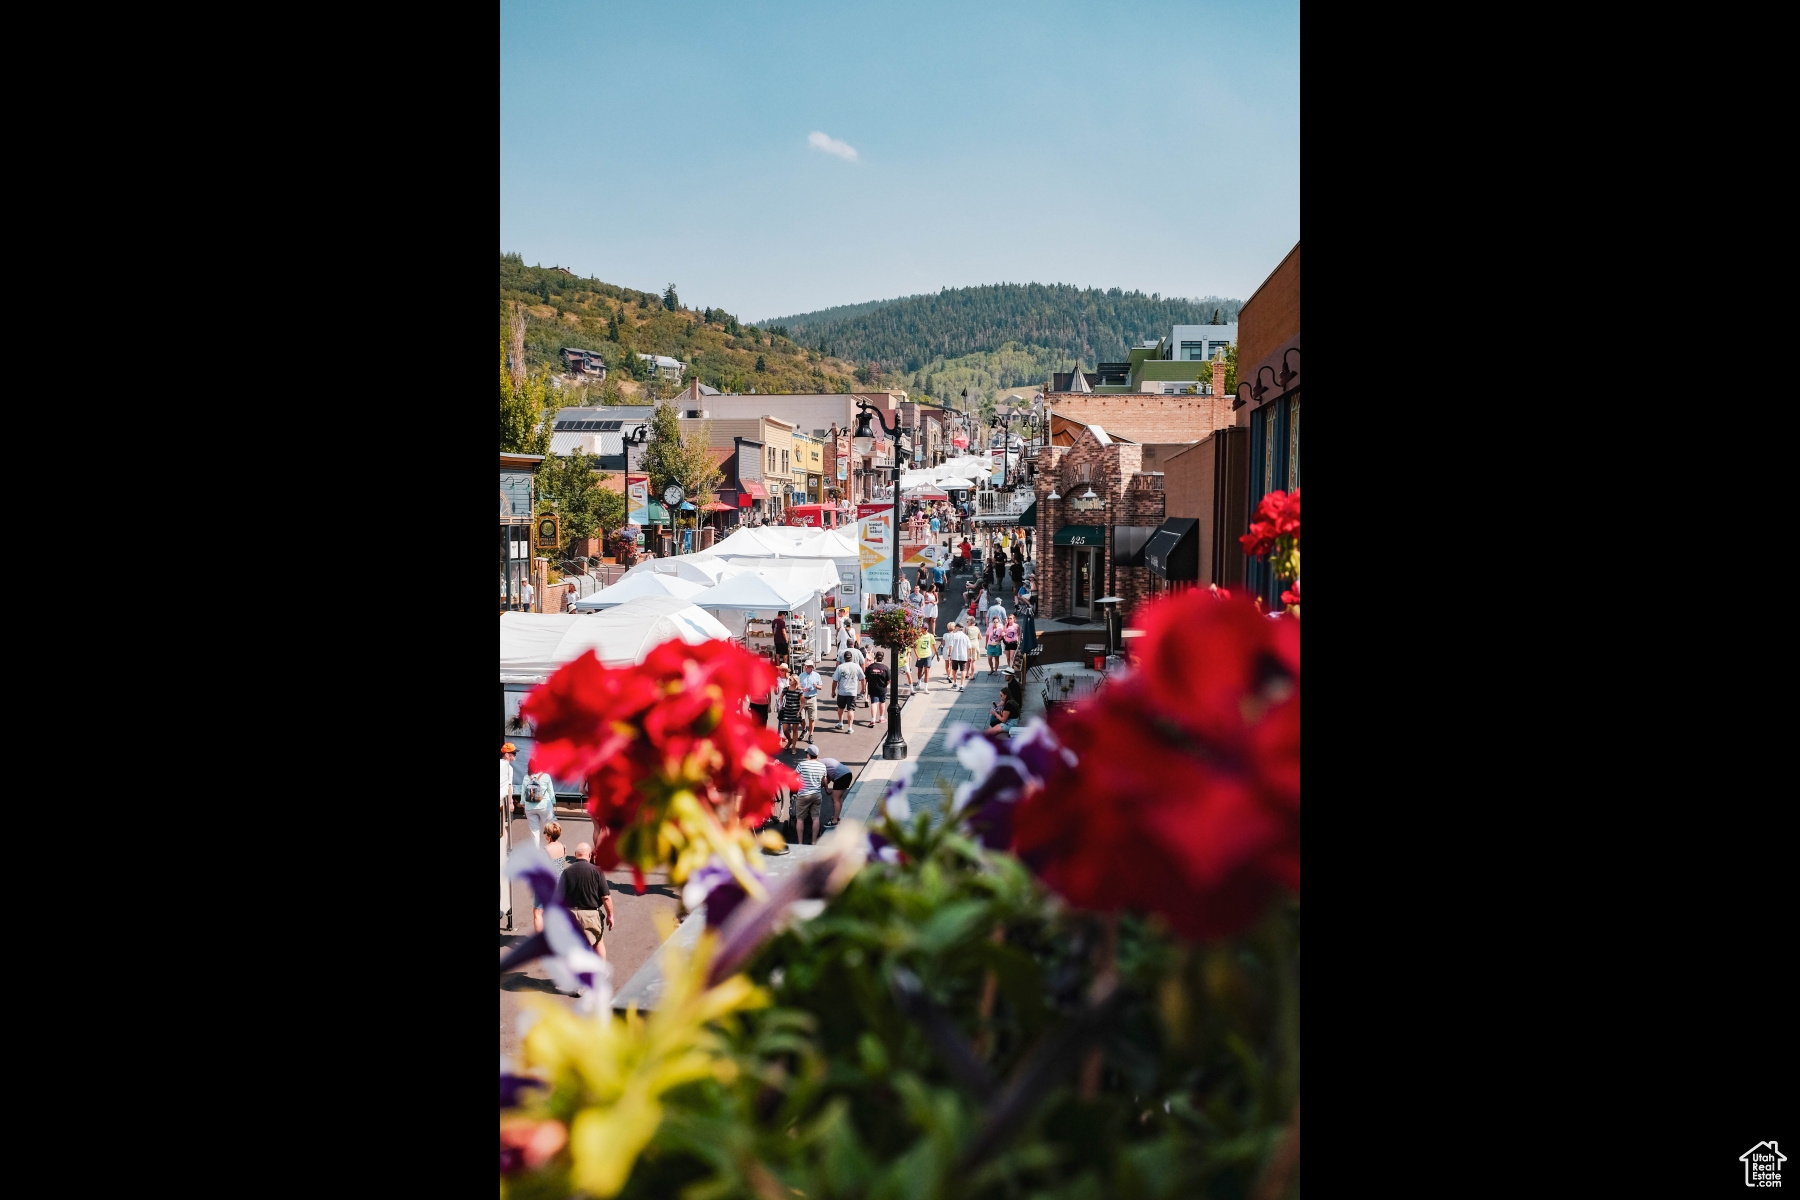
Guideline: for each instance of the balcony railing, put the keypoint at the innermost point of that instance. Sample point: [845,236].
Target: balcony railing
[1000,504]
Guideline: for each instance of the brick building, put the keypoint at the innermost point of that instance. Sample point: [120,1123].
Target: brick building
[1268,399]
[1086,549]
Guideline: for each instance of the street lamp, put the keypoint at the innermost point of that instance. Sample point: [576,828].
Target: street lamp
[894,746]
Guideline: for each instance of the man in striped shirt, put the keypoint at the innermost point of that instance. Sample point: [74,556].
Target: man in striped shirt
[806,801]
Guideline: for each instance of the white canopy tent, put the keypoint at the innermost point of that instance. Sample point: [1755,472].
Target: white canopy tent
[704,568]
[534,645]
[757,590]
[775,547]
[647,584]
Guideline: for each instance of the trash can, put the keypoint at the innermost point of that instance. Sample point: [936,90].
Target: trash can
[1095,655]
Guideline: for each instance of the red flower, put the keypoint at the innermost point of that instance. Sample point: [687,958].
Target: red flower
[1277,516]
[640,734]
[1185,798]
[1292,595]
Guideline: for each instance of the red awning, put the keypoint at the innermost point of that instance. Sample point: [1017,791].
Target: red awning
[754,489]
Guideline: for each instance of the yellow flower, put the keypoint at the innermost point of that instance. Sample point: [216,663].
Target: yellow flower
[620,1068]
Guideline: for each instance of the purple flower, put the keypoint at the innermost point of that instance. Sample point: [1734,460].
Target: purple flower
[1005,769]
[714,889]
[893,799]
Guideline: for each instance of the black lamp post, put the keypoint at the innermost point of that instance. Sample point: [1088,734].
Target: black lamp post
[894,745]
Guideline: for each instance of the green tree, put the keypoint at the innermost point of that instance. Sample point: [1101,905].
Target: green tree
[686,461]
[525,412]
[670,300]
[612,325]
[761,363]
[570,484]
[1230,353]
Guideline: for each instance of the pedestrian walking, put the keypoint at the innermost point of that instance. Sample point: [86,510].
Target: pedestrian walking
[793,712]
[540,803]
[559,858]
[806,800]
[996,646]
[878,676]
[811,683]
[759,707]
[585,893]
[846,682]
[981,601]
[508,752]
[1009,637]
[995,610]
[931,611]
[781,637]
[957,648]
[922,651]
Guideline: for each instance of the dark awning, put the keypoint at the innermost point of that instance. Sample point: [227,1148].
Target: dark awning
[1029,516]
[1080,535]
[1174,553]
[1129,542]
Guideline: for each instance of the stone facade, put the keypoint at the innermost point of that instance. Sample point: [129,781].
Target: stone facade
[1114,470]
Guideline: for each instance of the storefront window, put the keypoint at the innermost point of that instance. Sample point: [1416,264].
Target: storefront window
[1293,463]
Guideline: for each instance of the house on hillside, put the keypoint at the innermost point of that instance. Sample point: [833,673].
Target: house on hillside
[585,364]
[662,364]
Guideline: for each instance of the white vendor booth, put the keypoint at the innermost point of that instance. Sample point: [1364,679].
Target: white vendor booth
[534,645]
[639,586]
[746,603]
[768,546]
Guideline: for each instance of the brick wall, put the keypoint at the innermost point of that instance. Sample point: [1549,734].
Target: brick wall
[1147,418]
[1110,470]
[1271,316]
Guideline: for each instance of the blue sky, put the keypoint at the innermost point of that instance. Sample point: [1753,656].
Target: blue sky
[1153,146]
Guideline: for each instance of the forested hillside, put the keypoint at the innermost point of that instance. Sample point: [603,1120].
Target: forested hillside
[554,308]
[1091,324]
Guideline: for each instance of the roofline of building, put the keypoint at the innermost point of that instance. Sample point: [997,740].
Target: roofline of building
[1271,275]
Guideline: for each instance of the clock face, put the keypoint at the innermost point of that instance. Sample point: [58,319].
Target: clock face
[672,494]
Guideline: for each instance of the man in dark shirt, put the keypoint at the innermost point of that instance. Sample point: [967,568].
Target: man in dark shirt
[781,636]
[584,890]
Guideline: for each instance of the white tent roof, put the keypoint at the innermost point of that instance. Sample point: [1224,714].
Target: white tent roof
[703,569]
[534,645]
[647,584]
[758,589]
[819,572]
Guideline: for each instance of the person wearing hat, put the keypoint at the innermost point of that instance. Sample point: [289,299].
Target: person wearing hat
[806,800]
[810,682]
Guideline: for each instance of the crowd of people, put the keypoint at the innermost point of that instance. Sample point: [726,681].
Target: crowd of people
[954,639]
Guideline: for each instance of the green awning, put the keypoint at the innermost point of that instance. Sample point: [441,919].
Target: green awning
[1081,535]
[658,514]
[1029,516]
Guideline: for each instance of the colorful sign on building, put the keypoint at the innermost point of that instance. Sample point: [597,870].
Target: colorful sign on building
[637,500]
[875,540]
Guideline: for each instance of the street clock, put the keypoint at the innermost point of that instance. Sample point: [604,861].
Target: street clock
[672,495]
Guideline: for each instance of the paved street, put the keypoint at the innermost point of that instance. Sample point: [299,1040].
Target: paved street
[925,722]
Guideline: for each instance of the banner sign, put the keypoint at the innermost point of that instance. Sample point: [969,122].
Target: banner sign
[843,469]
[875,540]
[637,500]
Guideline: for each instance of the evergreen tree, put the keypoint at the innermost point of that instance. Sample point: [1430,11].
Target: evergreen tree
[670,301]
[761,363]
